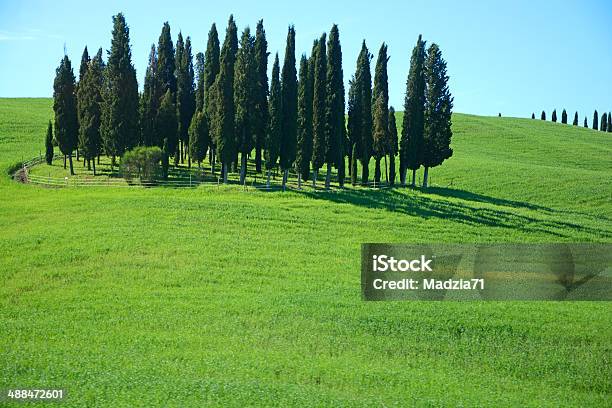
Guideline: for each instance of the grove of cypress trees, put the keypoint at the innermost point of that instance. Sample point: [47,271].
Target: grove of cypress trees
[65,109]
[120,96]
[166,62]
[185,94]
[198,137]
[438,112]
[222,122]
[272,142]
[304,123]
[289,94]
[393,145]
[89,98]
[149,103]
[411,144]
[334,109]
[49,144]
[211,70]
[167,128]
[318,108]
[564,117]
[554,116]
[245,77]
[595,120]
[575,123]
[261,92]
[543,116]
[604,122]
[380,95]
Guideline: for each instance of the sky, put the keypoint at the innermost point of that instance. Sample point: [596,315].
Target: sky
[513,58]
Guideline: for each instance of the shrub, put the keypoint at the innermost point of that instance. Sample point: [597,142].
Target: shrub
[141,163]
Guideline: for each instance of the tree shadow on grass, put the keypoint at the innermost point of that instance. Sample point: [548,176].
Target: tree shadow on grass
[469,196]
[420,205]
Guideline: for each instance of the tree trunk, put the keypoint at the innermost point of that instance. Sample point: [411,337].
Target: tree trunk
[88,164]
[112,163]
[299,180]
[391,170]
[377,173]
[365,173]
[268,178]
[98,159]
[94,166]
[328,176]
[64,162]
[243,168]
[386,172]
[212,161]
[71,168]
[350,160]
[258,159]
[413,178]
[225,173]
[425,174]
[189,161]
[403,175]
[354,166]
[285,177]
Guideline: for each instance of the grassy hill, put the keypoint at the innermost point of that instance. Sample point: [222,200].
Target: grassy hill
[217,295]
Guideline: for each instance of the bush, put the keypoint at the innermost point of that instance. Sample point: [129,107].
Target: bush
[141,163]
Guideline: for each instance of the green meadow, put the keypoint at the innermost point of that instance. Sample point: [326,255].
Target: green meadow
[218,295]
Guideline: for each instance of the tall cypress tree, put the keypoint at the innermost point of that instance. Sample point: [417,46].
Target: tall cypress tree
[261,92]
[318,107]
[334,110]
[211,70]
[120,95]
[604,122]
[380,96]
[411,144]
[185,93]
[564,117]
[438,112]
[575,123]
[289,94]
[543,116]
[198,137]
[245,77]
[361,118]
[272,142]
[609,122]
[149,103]
[166,62]
[65,109]
[354,125]
[49,144]
[595,120]
[393,145]
[89,97]
[222,123]
[304,123]
[554,116]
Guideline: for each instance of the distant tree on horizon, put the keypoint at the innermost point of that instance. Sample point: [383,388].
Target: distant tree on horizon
[595,120]
[604,122]
[49,144]
[564,117]
[533,115]
[609,122]
[543,116]
[575,119]
[586,125]
[554,116]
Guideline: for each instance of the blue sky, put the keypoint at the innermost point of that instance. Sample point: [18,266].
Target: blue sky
[513,57]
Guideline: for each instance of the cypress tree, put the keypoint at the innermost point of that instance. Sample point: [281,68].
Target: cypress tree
[533,116]
[89,97]
[120,96]
[554,116]
[65,109]
[304,123]
[185,94]
[318,108]
[411,144]
[199,79]
[211,70]
[289,94]
[393,147]
[180,83]
[586,125]
[272,142]
[564,117]
[354,126]
[166,62]
[335,130]
[167,128]
[245,77]
[575,123]
[222,123]
[609,123]
[198,137]
[380,135]
[604,122]
[261,92]
[361,120]
[438,112]
[84,64]
[311,75]
[49,144]
[595,120]
[149,103]
[543,116]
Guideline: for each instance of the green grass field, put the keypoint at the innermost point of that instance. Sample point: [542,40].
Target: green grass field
[215,295]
